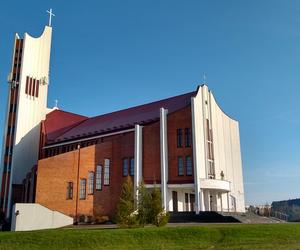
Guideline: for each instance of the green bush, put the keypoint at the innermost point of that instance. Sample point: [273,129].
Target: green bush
[125,215]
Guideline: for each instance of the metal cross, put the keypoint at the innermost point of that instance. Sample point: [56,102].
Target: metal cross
[56,103]
[204,78]
[50,16]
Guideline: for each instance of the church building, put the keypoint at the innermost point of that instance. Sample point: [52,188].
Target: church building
[185,145]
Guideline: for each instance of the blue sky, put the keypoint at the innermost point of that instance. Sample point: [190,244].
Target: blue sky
[108,55]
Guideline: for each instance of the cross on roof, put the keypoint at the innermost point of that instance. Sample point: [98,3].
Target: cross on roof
[50,16]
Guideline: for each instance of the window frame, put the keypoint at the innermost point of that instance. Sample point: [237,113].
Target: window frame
[180,172]
[191,165]
[70,189]
[91,183]
[125,167]
[98,177]
[82,189]
[131,166]
[106,172]
[187,137]
[179,138]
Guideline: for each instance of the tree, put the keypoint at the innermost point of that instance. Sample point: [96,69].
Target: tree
[158,216]
[125,216]
[144,205]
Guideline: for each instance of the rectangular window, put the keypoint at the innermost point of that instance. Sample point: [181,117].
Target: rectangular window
[82,191]
[30,86]
[179,138]
[8,130]
[106,172]
[125,167]
[189,165]
[180,165]
[132,166]
[99,177]
[33,88]
[91,183]
[187,137]
[37,88]
[69,190]
[27,85]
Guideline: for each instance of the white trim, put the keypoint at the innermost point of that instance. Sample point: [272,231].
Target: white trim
[186,185]
[164,156]
[90,138]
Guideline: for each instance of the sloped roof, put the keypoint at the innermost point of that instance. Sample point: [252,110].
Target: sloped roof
[58,122]
[81,126]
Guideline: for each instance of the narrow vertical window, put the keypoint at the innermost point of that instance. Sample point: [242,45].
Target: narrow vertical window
[27,85]
[106,171]
[33,88]
[30,86]
[189,165]
[99,177]
[187,137]
[132,166]
[91,183]
[82,191]
[37,88]
[69,190]
[180,165]
[179,138]
[125,167]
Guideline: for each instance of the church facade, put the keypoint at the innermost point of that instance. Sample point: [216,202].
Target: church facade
[184,145]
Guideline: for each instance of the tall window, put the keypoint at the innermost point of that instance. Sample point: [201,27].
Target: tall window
[180,165]
[106,171]
[69,190]
[189,165]
[187,137]
[125,167]
[132,166]
[179,138]
[99,177]
[82,191]
[91,183]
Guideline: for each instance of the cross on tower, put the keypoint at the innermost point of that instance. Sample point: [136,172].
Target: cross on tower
[50,16]
[204,78]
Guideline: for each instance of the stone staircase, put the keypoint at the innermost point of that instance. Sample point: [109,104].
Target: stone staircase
[202,217]
[249,217]
[218,217]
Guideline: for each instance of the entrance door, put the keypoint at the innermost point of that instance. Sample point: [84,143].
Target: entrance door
[175,201]
[192,201]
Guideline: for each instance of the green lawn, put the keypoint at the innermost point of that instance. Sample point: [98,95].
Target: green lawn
[233,236]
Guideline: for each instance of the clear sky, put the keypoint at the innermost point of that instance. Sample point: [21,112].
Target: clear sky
[109,55]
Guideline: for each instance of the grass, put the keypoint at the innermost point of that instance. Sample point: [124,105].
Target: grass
[225,236]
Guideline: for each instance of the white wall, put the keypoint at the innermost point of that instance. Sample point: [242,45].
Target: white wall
[30,110]
[226,147]
[227,152]
[32,216]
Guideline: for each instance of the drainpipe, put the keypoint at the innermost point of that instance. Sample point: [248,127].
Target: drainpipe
[77,186]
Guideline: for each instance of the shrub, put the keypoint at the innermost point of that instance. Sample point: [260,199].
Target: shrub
[144,205]
[125,216]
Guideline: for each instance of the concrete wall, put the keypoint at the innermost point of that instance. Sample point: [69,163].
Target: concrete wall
[227,152]
[33,216]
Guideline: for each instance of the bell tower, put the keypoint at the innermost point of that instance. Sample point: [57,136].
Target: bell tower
[27,106]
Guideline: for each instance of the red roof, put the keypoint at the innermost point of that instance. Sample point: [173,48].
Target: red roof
[58,122]
[80,126]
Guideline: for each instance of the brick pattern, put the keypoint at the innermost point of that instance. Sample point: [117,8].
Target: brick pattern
[180,119]
[55,172]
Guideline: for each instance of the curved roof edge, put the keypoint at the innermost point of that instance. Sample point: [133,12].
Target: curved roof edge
[230,117]
[46,28]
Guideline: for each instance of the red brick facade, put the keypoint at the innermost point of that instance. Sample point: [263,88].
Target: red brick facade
[55,172]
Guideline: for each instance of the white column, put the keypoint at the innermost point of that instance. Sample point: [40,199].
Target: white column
[228,202]
[164,156]
[138,154]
